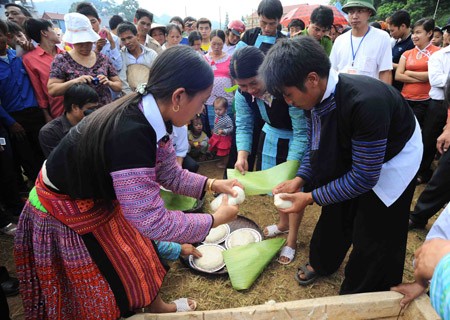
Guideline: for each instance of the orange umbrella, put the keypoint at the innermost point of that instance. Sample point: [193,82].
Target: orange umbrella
[303,12]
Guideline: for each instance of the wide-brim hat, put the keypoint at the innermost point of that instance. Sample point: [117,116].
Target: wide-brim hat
[360,4]
[78,29]
[158,26]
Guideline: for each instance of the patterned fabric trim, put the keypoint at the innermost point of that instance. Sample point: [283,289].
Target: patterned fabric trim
[367,160]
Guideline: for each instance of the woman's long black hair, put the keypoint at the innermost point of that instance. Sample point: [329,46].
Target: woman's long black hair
[176,67]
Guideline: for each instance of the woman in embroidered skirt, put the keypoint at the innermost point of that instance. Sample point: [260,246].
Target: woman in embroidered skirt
[84,245]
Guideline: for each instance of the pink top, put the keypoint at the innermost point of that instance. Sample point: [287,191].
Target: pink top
[222,78]
[37,63]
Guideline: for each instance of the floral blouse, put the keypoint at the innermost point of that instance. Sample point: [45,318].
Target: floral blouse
[64,67]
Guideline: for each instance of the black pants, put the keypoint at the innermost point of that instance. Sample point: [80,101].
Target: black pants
[436,194]
[432,123]
[190,164]
[4,308]
[378,235]
[9,186]
[28,151]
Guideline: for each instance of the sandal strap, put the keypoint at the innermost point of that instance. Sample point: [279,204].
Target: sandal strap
[306,272]
[273,231]
[287,252]
[183,305]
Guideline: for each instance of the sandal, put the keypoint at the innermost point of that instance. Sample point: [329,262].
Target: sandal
[288,253]
[183,305]
[273,231]
[310,276]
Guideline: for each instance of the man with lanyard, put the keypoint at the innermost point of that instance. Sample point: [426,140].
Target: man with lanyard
[133,53]
[399,24]
[321,21]
[364,50]
[264,36]
[364,151]
[233,35]
[143,20]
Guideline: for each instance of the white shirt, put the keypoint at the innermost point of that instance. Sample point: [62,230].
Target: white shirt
[373,56]
[145,58]
[438,72]
[180,141]
[441,227]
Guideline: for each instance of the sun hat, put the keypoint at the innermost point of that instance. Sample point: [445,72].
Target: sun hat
[158,26]
[78,29]
[360,4]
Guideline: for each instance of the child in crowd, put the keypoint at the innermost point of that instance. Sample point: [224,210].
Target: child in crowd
[198,140]
[220,141]
[195,41]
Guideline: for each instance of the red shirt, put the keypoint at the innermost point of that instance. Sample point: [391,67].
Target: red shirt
[37,63]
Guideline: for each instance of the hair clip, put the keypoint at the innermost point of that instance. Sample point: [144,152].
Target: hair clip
[142,89]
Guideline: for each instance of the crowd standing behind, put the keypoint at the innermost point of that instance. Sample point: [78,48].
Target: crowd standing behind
[211,102]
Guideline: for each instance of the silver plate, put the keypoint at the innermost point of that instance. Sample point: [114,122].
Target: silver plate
[256,235]
[221,239]
[192,259]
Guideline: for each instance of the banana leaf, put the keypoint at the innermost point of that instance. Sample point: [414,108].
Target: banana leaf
[246,263]
[262,182]
[173,201]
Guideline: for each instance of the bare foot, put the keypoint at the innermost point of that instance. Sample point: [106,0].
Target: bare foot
[302,275]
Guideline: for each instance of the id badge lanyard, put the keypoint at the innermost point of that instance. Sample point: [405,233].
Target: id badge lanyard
[264,39]
[359,46]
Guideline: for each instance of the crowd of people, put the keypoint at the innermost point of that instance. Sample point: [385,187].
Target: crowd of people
[94,122]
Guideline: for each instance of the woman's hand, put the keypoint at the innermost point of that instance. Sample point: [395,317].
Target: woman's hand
[103,80]
[188,249]
[225,186]
[226,213]
[83,79]
[242,162]
[299,202]
[289,186]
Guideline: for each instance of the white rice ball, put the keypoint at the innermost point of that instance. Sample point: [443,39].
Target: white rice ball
[215,204]
[280,203]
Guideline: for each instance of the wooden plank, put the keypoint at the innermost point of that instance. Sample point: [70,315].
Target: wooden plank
[376,305]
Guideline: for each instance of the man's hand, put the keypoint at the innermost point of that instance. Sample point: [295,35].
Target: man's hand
[410,292]
[100,44]
[289,186]
[443,141]
[427,258]
[300,201]
[17,132]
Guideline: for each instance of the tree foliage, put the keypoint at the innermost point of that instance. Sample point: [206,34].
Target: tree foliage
[108,8]
[417,9]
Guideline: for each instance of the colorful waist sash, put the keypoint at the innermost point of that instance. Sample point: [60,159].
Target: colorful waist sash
[128,261]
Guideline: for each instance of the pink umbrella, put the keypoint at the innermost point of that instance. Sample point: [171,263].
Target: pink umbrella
[303,12]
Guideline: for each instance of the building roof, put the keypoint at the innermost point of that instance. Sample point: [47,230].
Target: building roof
[53,16]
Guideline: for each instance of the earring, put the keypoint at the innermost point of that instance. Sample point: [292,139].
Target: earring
[176,108]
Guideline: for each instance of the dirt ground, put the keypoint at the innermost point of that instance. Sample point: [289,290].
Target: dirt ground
[275,283]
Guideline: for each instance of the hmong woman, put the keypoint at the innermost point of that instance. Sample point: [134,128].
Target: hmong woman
[84,246]
[283,136]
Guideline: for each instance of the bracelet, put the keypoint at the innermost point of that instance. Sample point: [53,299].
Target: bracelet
[210,185]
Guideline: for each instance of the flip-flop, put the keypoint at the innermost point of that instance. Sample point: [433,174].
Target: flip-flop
[273,231]
[310,276]
[183,305]
[286,252]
